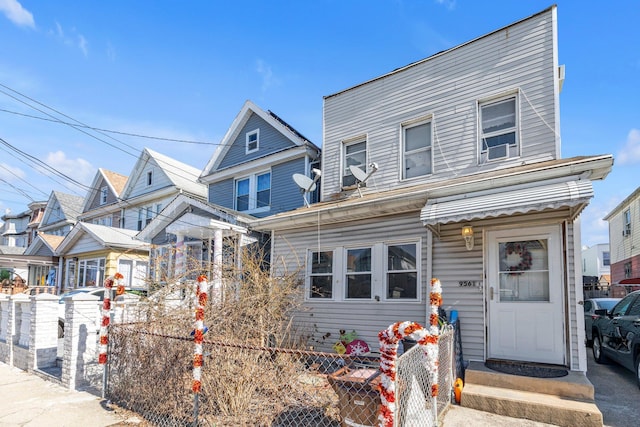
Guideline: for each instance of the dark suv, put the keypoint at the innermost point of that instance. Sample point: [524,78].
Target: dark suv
[616,334]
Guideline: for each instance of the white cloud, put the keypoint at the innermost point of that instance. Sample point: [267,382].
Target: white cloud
[630,153]
[268,80]
[79,169]
[449,4]
[83,44]
[74,39]
[17,14]
[8,172]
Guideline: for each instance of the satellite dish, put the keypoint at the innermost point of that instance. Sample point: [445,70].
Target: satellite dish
[306,184]
[361,176]
[358,173]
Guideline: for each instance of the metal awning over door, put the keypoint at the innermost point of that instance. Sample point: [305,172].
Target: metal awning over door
[496,202]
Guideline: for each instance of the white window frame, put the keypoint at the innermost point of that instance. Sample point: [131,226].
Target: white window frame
[133,279]
[149,178]
[416,270]
[253,192]
[247,148]
[81,268]
[370,273]
[310,274]
[512,149]
[406,154]
[104,192]
[345,172]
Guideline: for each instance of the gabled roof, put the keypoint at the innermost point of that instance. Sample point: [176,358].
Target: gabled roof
[108,237]
[114,180]
[626,202]
[178,205]
[183,176]
[241,119]
[50,241]
[70,207]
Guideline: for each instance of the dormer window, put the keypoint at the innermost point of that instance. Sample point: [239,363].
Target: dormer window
[498,129]
[149,178]
[253,142]
[104,191]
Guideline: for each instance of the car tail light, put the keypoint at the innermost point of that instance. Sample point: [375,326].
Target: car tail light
[594,316]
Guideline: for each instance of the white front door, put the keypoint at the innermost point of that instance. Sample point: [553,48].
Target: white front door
[525,295]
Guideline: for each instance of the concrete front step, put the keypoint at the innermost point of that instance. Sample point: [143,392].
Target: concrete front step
[540,407]
[575,385]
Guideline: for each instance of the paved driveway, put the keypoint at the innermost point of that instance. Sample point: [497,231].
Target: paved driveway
[617,393]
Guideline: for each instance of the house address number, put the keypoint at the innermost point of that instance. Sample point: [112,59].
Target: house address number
[468,283]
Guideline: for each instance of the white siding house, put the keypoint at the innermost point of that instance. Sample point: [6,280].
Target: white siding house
[467,139]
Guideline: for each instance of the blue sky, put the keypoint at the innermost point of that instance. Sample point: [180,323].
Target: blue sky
[183,70]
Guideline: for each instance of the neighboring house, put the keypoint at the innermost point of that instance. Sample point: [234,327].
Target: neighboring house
[15,258]
[61,213]
[93,252]
[43,263]
[191,237]
[154,181]
[37,213]
[624,238]
[464,182]
[101,205]
[14,231]
[251,170]
[596,268]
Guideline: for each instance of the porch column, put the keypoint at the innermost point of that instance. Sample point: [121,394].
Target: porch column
[180,264]
[216,282]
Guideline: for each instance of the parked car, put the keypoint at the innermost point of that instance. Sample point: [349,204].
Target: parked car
[590,307]
[616,334]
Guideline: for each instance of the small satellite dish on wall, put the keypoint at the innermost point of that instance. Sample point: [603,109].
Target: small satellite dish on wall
[361,176]
[306,184]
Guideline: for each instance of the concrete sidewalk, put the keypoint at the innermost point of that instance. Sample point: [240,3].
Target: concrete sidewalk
[28,400]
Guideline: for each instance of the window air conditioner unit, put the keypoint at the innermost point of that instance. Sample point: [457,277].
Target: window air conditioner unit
[626,232]
[498,152]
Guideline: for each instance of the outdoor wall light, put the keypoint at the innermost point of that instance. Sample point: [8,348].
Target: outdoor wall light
[467,234]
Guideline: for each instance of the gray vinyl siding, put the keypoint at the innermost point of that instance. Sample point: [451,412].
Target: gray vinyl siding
[111,198]
[285,194]
[572,300]
[131,212]
[221,193]
[84,244]
[270,141]
[160,180]
[43,250]
[368,317]
[446,88]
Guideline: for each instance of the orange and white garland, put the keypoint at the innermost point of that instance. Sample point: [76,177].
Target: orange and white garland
[106,314]
[198,336]
[426,338]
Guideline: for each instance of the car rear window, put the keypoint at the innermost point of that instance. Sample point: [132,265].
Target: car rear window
[607,304]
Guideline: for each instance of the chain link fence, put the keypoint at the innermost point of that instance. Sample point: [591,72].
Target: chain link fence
[150,373]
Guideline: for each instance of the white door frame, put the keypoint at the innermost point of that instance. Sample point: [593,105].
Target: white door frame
[532,331]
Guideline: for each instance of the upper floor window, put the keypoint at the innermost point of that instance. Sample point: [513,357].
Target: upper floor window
[416,150]
[253,141]
[104,191]
[321,274]
[353,154]
[149,178]
[253,193]
[606,258]
[145,215]
[498,129]
[626,223]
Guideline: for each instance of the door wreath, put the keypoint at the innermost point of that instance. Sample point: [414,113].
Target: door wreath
[522,263]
